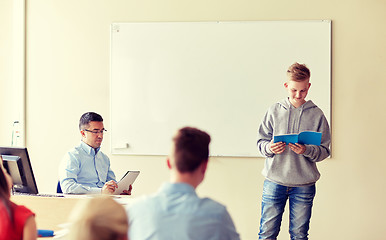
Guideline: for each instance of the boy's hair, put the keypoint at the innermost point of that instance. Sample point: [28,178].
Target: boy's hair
[298,72]
[191,148]
[88,117]
[4,191]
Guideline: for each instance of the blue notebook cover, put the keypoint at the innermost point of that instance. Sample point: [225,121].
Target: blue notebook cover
[45,233]
[307,137]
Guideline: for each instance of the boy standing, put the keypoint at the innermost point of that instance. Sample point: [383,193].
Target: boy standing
[291,171]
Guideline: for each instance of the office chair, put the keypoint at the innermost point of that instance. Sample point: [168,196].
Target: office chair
[58,188]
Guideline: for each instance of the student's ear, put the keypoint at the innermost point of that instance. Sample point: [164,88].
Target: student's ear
[204,166]
[309,85]
[168,163]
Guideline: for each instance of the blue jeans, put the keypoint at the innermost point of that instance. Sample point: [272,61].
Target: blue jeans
[274,200]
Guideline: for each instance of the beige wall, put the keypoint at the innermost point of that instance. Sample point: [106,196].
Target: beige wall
[5,71]
[68,74]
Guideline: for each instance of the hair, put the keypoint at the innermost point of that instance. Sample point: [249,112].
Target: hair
[88,117]
[298,72]
[98,218]
[191,148]
[5,191]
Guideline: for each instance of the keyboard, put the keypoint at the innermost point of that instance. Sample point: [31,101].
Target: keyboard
[39,194]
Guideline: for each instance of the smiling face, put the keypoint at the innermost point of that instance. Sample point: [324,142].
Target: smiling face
[93,139]
[297,91]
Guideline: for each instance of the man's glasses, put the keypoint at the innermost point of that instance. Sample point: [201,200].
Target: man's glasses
[96,131]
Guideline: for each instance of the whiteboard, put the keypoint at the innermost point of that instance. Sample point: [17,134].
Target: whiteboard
[218,76]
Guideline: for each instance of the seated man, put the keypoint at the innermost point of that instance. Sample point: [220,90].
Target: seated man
[85,169]
[175,211]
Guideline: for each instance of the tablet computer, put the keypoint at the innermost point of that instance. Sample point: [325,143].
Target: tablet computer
[127,180]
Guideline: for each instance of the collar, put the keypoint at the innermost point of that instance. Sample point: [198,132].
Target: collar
[177,187]
[88,149]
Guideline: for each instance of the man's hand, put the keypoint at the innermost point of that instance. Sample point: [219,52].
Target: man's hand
[277,148]
[109,187]
[127,192]
[297,148]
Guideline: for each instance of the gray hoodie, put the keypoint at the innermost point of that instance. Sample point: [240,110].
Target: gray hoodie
[288,168]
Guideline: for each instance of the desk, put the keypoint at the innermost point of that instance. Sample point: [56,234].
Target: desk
[49,211]
[52,211]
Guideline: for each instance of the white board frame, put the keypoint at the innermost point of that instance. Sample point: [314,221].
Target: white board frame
[218,76]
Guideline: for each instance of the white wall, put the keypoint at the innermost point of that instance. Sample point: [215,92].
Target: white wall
[68,74]
[12,69]
[5,71]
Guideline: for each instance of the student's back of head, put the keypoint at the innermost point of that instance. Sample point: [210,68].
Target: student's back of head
[175,211]
[191,149]
[99,218]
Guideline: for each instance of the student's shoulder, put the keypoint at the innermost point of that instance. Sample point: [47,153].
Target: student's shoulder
[318,111]
[211,205]
[21,211]
[278,106]
[314,108]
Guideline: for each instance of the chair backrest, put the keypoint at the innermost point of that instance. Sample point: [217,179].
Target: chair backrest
[58,188]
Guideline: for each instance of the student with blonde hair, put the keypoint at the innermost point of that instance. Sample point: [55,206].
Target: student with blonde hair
[290,169]
[99,218]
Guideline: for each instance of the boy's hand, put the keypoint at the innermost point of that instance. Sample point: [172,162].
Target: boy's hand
[277,148]
[297,148]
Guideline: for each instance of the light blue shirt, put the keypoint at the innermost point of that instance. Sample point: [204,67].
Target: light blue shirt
[84,170]
[176,212]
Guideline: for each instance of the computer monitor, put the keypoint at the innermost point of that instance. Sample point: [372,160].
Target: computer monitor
[18,165]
